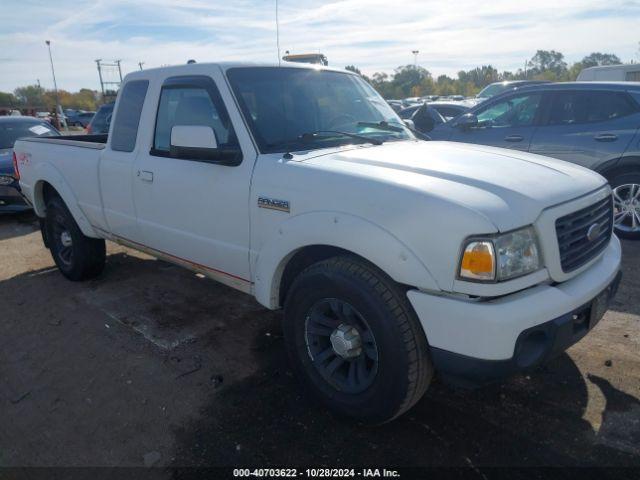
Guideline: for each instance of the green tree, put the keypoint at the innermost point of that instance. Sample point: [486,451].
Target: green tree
[479,76]
[29,95]
[596,59]
[8,100]
[408,77]
[547,61]
[354,69]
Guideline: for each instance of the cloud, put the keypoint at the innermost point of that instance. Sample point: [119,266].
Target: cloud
[375,35]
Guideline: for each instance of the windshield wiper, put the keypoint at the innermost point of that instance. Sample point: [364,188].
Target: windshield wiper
[387,127]
[320,135]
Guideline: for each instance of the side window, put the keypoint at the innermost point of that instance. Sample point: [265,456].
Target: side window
[633,76]
[197,104]
[516,111]
[571,108]
[125,128]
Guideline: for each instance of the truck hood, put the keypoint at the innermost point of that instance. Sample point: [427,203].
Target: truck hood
[509,188]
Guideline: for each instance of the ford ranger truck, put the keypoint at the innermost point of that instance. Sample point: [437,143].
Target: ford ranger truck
[393,258]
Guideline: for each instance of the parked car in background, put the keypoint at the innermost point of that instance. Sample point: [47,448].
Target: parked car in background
[412,100]
[497,88]
[611,73]
[12,128]
[449,109]
[595,125]
[46,116]
[101,120]
[455,98]
[396,105]
[81,119]
[424,117]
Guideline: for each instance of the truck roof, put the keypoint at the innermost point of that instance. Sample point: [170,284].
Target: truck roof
[583,85]
[204,67]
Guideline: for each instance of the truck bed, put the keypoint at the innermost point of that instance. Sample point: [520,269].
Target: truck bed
[85,141]
[71,164]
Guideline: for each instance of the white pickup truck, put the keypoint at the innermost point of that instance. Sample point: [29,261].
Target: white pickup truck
[392,257]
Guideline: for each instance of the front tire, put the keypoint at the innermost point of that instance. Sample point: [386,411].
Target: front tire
[355,341]
[77,256]
[626,202]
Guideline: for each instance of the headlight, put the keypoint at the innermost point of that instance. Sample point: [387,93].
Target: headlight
[502,257]
[6,180]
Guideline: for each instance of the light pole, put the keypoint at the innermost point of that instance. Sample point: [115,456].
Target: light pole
[55,88]
[415,57]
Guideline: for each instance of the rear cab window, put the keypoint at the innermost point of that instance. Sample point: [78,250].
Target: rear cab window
[125,128]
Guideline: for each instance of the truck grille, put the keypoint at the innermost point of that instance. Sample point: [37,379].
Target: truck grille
[578,239]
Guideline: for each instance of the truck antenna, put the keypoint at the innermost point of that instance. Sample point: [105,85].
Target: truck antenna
[277,33]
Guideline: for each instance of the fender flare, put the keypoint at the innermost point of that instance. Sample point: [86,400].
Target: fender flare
[340,230]
[46,172]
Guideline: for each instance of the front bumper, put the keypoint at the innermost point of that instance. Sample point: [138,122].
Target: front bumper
[475,342]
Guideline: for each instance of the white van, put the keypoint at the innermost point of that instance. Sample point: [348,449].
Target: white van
[611,73]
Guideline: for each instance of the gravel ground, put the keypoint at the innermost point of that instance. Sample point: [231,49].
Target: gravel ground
[152,365]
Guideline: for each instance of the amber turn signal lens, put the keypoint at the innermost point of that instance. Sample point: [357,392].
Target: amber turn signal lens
[478,261]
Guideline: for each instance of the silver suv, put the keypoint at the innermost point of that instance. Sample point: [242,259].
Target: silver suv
[593,124]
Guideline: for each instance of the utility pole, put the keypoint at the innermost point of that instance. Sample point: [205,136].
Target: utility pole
[107,71]
[117,62]
[415,57]
[100,75]
[55,89]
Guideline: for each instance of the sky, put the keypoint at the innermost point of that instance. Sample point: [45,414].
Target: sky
[374,35]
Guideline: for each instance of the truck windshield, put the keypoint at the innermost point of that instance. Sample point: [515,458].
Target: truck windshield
[281,105]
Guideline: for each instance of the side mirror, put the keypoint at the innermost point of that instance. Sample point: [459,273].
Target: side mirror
[467,121]
[423,120]
[198,142]
[409,123]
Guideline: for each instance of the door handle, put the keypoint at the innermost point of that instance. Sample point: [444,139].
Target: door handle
[513,138]
[145,176]
[606,137]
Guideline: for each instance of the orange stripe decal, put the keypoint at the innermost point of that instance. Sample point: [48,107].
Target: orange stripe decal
[205,267]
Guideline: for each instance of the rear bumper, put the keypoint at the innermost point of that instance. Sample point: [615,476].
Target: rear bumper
[480,341]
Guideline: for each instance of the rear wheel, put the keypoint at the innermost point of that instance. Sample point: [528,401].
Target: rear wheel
[626,204]
[77,256]
[355,341]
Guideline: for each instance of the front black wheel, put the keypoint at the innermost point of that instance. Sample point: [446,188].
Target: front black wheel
[355,341]
[77,256]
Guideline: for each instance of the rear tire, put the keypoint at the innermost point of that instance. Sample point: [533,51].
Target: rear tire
[77,256]
[626,200]
[348,297]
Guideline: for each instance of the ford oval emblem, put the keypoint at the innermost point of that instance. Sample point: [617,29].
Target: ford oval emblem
[593,232]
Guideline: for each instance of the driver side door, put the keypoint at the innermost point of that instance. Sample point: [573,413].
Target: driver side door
[507,122]
[191,208]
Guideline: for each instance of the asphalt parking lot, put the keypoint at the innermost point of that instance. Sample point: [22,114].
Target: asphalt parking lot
[152,365]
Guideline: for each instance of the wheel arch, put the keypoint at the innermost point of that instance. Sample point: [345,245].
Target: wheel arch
[309,238]
[622,166]
[46,187]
